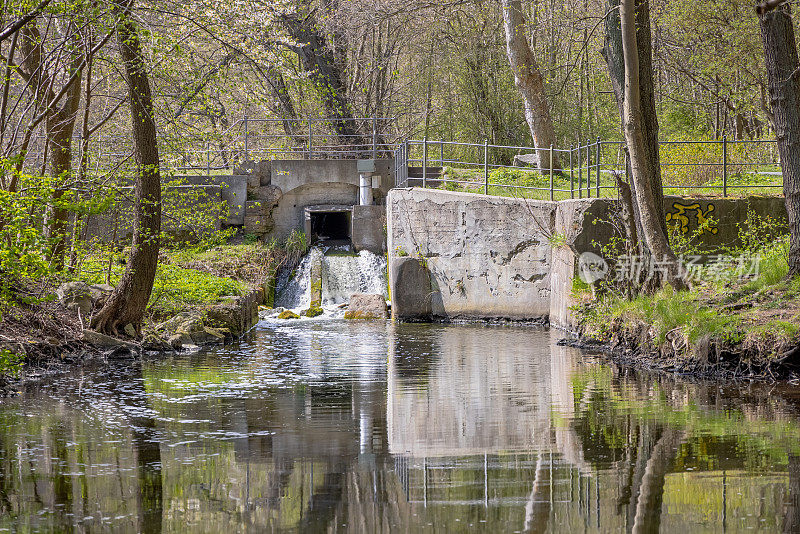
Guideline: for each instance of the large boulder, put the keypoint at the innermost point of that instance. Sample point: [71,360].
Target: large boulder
[82,296]
[366,307]
[75,296]
[269,195]
[411,289]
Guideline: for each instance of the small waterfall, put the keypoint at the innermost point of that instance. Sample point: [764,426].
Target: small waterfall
[342,276]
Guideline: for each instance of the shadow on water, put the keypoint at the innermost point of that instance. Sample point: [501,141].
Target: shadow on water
[359,427]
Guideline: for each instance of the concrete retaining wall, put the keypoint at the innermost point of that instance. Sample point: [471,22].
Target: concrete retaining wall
[488,257]
[495,257]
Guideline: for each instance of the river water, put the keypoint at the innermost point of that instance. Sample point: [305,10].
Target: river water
[334,426]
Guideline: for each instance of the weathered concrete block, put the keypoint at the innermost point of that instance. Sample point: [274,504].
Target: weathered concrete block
[368,228]
[269,195]
[488,256]
[234,192]
[316,281]
[253,183]
[411,289]
[264,171]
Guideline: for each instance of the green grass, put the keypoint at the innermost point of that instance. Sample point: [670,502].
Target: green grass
[523,183]
[175,288]
[761,314]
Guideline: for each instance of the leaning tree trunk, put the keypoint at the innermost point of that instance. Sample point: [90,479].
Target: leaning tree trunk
[530,84]
[128,302]
[783,73]
[639,139]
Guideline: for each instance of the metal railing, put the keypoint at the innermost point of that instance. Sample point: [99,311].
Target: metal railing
[708,167]
[247,139]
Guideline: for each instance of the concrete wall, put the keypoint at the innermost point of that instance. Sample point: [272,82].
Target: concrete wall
[291,174]
[496,257]
[368,228]
[289,213]
[116,224]
[488,257]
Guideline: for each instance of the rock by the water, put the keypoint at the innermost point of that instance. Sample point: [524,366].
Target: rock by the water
[288,314]
[103,341]
[313,312]
[366,307]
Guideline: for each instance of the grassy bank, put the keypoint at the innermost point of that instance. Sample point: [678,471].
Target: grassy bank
[726,325]
[35,327]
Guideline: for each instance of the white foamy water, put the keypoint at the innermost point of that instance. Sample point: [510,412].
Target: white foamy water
[342,277]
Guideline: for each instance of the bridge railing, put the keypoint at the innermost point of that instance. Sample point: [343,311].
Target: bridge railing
[714,168]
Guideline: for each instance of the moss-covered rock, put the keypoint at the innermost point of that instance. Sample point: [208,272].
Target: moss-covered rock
[313,311]
[288,314]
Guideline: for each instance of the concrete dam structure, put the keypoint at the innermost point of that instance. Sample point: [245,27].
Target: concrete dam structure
[470,256]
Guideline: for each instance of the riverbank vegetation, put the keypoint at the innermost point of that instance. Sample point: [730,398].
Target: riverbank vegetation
[741,317]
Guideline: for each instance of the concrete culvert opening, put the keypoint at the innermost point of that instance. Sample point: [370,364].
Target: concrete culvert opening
[330,226]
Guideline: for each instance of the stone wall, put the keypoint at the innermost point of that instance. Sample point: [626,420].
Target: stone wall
[454,255]
[488,257]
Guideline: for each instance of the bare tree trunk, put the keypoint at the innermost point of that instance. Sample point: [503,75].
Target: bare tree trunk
[651,491]
[128,303]
[60,124]
[639,138]
[530,84]
[613,55]
[783,73]
[325,72]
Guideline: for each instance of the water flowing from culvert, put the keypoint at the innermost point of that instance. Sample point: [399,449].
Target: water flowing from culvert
[343,275]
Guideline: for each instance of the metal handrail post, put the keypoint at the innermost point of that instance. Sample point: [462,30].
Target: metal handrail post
[246,145]
[374,138]
[724,165]
[441,153]
[580,171]
[597,162]
[406,156]
[208,158]
[588,168]
[425,162]
[309,139]
[486,166]
[551,172]
[571,174]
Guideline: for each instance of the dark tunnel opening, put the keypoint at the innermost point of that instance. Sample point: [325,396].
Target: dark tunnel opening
[330,226]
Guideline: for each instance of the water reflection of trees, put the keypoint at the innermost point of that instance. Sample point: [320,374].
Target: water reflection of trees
[201,443]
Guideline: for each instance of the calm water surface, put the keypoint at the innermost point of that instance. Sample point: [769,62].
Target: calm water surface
[357,427]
